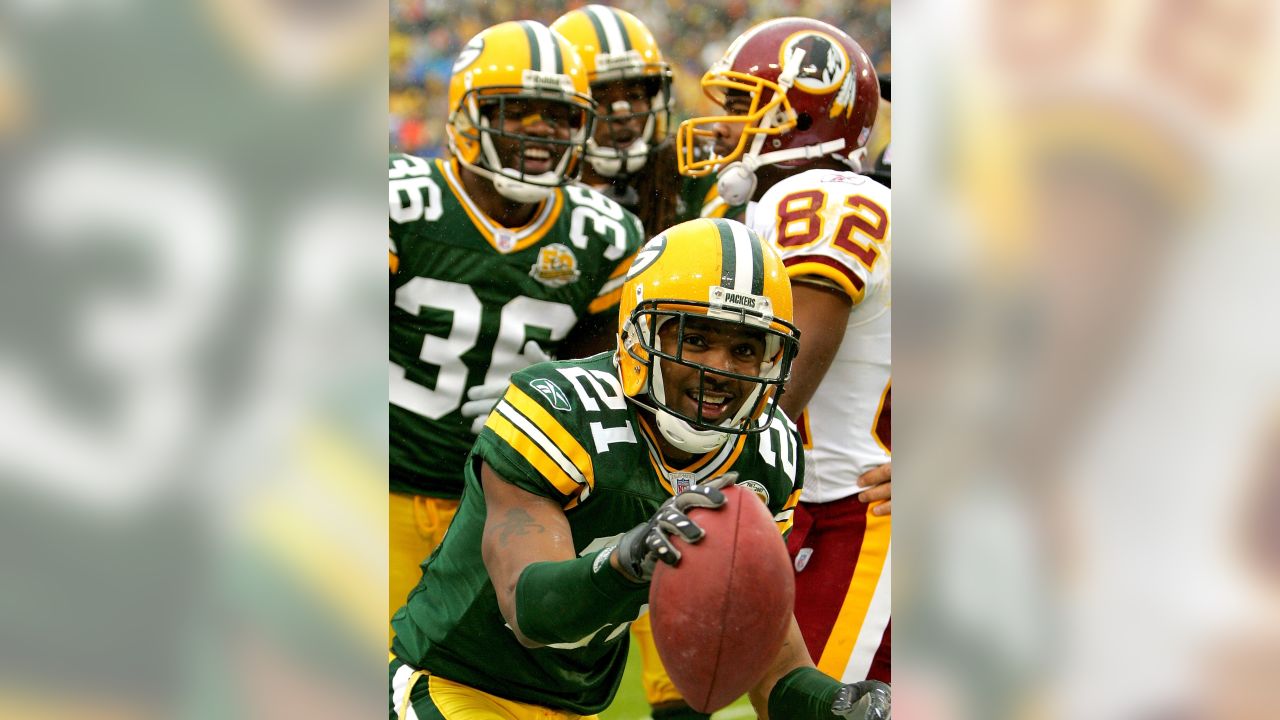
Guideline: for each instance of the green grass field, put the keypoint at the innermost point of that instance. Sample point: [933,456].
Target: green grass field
[630,704]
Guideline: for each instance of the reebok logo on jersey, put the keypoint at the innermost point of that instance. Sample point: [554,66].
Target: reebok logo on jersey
[552,393]
[556,266]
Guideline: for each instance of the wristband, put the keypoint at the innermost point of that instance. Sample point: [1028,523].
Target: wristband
[805,692]
[563,602]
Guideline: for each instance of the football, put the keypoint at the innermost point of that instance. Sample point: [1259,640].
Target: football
[720,615]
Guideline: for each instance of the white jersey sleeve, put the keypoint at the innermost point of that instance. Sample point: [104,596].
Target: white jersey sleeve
[832,227]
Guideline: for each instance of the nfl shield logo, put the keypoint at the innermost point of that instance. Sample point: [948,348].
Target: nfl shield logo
[504,241]
[681,482]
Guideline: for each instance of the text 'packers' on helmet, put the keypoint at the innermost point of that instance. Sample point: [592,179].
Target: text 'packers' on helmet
[710,268]
[616,47]
[520,109]
[807,91]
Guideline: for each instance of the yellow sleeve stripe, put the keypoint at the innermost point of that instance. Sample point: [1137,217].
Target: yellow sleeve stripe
[557,442]
[604,302]
[622,268]
[786,518]
[840,277]
[611,292]
[716,208]
[531,452]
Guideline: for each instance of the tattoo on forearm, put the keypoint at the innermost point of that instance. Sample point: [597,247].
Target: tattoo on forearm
[517,523]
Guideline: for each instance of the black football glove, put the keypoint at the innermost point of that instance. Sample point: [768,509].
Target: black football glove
[865,700]
[641,547]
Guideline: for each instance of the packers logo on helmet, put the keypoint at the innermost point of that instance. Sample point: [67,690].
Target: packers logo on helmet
[616,47]
[521,111]
[706,268]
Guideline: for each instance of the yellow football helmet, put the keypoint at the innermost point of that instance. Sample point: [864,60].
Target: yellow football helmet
[497,74]
[615,45]
[715,268]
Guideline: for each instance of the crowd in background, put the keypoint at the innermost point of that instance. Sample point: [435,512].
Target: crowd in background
[427,34]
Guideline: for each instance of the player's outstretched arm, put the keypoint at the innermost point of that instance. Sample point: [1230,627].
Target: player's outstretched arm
[793,688]
[547,594]
[520,529]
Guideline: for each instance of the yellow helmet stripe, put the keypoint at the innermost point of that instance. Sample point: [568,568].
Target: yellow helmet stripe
[610,31]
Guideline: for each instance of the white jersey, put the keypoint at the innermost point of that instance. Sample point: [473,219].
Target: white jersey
[832,227]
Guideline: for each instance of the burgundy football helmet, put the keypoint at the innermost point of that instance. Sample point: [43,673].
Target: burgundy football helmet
[813,93]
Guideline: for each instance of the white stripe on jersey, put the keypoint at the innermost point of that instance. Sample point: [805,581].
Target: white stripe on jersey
[542,441]
[399,686]
[612,285]
[873,625]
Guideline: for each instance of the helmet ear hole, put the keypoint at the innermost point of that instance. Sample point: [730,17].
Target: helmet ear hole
[803,122]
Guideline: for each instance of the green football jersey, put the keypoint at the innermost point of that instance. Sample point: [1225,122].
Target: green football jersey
[699,197]
[467,294]
[564,430]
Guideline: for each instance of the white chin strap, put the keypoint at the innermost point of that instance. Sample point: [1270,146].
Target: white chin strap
[612,162]
[736,182]
[684,436]
[679,432]
[509,185]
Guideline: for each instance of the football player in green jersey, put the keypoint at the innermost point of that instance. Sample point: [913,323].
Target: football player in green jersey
[631,159]
[496,259]
[630,156]
[583,470]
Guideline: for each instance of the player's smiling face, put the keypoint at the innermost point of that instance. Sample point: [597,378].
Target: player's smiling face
[718,345]
[534,133]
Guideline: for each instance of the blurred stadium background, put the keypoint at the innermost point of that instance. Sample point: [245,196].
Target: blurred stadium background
[427,34]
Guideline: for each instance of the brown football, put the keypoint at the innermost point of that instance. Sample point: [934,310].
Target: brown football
[720,615]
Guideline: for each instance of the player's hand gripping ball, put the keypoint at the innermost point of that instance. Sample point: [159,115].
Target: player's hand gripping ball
[720,614]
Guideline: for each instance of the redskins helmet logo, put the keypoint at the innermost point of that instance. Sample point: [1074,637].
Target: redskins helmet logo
[824,65]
